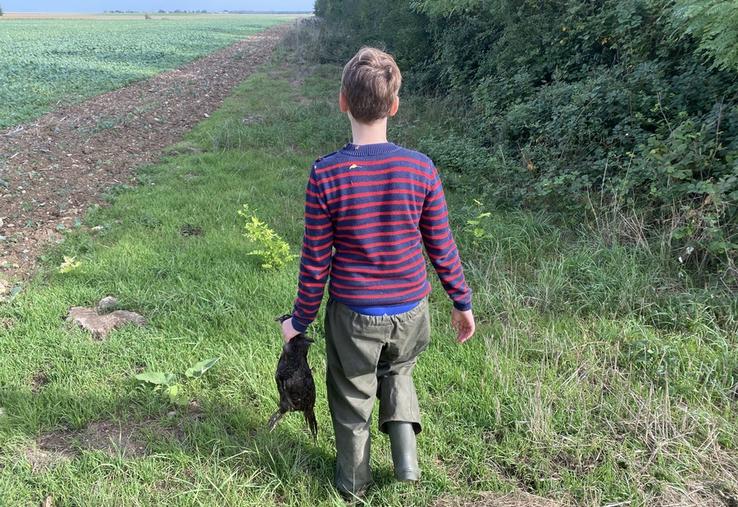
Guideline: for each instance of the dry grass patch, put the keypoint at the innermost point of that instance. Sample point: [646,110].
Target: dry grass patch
[515,499]
[128,439]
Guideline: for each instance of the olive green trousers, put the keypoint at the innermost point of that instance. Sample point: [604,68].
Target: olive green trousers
[370,357]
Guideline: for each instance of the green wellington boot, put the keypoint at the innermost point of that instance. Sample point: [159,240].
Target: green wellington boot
[404,451]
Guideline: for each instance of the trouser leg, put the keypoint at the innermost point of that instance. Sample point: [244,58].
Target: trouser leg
[398,401]
[352,350]
[351,417]
[409,337]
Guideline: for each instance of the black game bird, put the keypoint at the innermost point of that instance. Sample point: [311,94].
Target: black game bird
[295,382]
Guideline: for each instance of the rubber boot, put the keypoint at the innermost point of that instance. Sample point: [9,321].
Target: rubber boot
[404,451]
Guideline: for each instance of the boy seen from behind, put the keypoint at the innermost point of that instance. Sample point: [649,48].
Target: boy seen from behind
[370,208]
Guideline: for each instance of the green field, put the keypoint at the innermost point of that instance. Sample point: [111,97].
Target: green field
[598,374]
[44,62]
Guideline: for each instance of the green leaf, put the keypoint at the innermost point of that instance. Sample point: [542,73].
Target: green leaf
[69,264]
[157,378]
[199,369]
[174,392]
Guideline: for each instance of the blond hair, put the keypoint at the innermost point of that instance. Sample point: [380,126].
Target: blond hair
[370,82]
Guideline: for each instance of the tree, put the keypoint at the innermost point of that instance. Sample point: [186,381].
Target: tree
[1,10]
[714,23]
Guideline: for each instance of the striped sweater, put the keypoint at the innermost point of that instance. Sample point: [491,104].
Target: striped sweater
[368,211]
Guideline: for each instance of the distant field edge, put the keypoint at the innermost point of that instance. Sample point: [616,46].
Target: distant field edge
[137,15]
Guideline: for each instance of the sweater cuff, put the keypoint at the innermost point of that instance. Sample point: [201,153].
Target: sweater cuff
[459,306]
[300,325]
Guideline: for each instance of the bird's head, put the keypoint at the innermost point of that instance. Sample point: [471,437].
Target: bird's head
[299,345]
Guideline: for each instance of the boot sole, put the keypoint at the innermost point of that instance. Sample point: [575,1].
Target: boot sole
[408,475]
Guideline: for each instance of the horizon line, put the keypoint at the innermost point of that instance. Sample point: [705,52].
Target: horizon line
[224,11]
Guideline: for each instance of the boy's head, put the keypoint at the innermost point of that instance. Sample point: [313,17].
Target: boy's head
[369,86]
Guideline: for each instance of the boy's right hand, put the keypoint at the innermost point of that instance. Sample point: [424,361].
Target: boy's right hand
[288,332]
[463,323]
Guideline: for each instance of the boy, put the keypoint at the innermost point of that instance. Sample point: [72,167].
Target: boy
[369,207]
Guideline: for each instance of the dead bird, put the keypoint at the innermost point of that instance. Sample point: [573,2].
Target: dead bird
[295,382]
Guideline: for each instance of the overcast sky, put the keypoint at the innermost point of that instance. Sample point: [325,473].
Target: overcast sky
[153,5]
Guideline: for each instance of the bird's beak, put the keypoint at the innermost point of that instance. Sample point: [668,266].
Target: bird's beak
[310,340]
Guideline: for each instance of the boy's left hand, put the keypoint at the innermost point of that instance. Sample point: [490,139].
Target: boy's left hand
[288,332]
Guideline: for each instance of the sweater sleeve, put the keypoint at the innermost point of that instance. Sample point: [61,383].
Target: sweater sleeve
[441,247]
[315,258]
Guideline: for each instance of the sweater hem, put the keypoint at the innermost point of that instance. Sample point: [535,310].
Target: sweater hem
[379,301]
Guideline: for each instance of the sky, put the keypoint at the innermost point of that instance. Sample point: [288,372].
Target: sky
[153,5]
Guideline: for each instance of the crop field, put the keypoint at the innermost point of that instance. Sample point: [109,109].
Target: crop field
[47,62]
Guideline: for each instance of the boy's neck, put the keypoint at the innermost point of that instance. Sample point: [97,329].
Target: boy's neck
[369,133]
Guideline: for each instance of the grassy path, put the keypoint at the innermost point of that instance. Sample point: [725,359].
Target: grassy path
[589,381]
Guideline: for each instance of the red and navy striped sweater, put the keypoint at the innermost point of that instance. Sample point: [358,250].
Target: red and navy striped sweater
[368,211]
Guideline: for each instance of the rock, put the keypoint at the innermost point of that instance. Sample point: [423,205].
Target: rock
[107,305]
[101,325]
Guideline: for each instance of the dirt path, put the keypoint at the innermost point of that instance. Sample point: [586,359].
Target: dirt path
[52,169]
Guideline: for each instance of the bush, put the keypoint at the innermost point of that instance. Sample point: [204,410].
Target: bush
[635,101]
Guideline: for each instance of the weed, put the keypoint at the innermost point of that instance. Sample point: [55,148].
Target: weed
[273,252]
[169,383]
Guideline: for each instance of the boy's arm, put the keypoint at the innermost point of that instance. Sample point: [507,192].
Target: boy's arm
[315,259]
[441,247]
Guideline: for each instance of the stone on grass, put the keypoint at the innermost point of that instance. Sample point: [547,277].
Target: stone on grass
[100,324]
[107,305]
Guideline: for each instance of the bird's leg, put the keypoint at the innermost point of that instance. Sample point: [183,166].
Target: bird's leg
[274,419]
[311,422]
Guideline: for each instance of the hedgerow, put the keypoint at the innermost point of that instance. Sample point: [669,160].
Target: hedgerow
[625,103]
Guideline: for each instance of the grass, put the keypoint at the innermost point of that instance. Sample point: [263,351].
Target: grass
[597,376]
[46,61]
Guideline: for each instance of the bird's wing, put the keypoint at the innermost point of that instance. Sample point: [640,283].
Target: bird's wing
[284,391]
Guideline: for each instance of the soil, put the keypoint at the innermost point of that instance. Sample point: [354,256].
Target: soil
[39,380]
[114,438]
[517,499]
[54,168]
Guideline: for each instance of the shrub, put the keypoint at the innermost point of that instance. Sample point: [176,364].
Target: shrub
[273,251]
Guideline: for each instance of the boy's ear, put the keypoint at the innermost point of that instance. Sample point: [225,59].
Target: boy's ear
[395,106]
[342,102]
